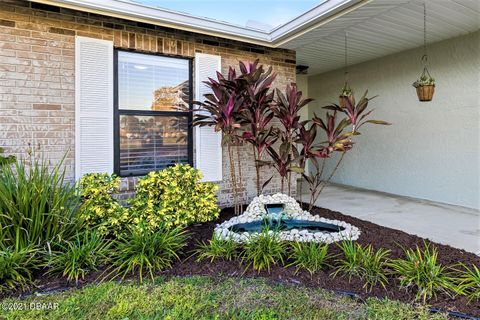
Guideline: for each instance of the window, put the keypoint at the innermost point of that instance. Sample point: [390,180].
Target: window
[151,130]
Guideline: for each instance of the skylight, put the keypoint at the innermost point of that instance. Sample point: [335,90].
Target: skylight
[263,15]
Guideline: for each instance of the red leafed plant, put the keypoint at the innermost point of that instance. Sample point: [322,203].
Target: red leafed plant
[220,110]
[256,115]
[286,109]
[242,106]
[338,139]
[306,137]
[355,113]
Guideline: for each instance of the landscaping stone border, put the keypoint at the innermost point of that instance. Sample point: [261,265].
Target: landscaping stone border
[256,212]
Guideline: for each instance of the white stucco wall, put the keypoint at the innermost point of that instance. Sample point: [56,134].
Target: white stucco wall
[432,149]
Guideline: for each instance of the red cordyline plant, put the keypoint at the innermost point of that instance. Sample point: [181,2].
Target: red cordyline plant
[242,107]
[220,110]
[338,139]
[286,109]
[355,113]
[256,113]
[306,137]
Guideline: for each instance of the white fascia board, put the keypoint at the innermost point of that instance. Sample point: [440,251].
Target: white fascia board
[326,11]
[313,18]
[162,17]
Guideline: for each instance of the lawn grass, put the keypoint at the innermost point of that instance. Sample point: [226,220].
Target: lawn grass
[206,298]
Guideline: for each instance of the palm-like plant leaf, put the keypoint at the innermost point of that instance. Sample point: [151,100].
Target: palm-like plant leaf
[221,107]
[256,114]
[355,112]
[337,140]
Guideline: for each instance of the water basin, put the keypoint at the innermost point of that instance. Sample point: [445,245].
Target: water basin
[285,225]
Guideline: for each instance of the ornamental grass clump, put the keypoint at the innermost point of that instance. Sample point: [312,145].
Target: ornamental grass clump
[146,252]
[310,256]
[468,282]
[374,263]
[174,197]
[37,204]
[263,250]
[217,248]
[363,262]
[421,273]
[351,263]
[82,255]
[16,266]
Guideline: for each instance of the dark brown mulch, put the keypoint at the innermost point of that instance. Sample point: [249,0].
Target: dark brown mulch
[378,236]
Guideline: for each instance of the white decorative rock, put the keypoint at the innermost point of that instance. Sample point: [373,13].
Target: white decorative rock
[256,212]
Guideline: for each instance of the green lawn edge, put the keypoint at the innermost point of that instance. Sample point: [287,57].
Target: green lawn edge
[200,297]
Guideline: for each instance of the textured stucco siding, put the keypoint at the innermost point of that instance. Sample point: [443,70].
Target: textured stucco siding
[432,149]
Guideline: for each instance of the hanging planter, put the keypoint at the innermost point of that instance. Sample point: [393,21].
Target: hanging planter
[425,86]
[425,92]
[347,94]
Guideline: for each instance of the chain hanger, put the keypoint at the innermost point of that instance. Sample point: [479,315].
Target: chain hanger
[346,56]
[425,55]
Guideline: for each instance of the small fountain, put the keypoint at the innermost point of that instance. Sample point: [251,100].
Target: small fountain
[281,213]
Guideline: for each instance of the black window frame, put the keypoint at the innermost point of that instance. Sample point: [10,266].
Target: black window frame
[117,112]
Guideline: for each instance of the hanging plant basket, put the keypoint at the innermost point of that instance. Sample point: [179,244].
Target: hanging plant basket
[425,93]
[347,94]
[425,85]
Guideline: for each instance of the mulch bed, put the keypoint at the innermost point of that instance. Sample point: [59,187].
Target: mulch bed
[378,236]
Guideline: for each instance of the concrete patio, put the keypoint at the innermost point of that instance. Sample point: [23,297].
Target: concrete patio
[447,224]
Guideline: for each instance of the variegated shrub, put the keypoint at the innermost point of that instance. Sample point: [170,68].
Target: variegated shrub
[174,197]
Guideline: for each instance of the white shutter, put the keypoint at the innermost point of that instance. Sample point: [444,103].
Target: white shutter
[93,106]
[208,143]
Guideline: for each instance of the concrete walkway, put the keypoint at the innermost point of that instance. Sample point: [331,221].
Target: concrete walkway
[453,225]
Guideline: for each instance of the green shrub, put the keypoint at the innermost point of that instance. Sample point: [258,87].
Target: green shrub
[37,204]
[351,264]
[364,263]
[310,256]
[80,256]
[99,209]
[143,251]
[263,250]
[421,273]
[373,266]
[217,248]
[16,267]
[169,198]
[469,282]
[174,197]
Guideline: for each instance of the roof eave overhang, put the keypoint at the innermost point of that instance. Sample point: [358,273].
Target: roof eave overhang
[312,19]
[321,14]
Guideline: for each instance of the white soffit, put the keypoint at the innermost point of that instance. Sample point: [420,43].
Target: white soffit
[383,27]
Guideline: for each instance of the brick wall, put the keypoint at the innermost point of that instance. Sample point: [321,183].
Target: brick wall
[37,91]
